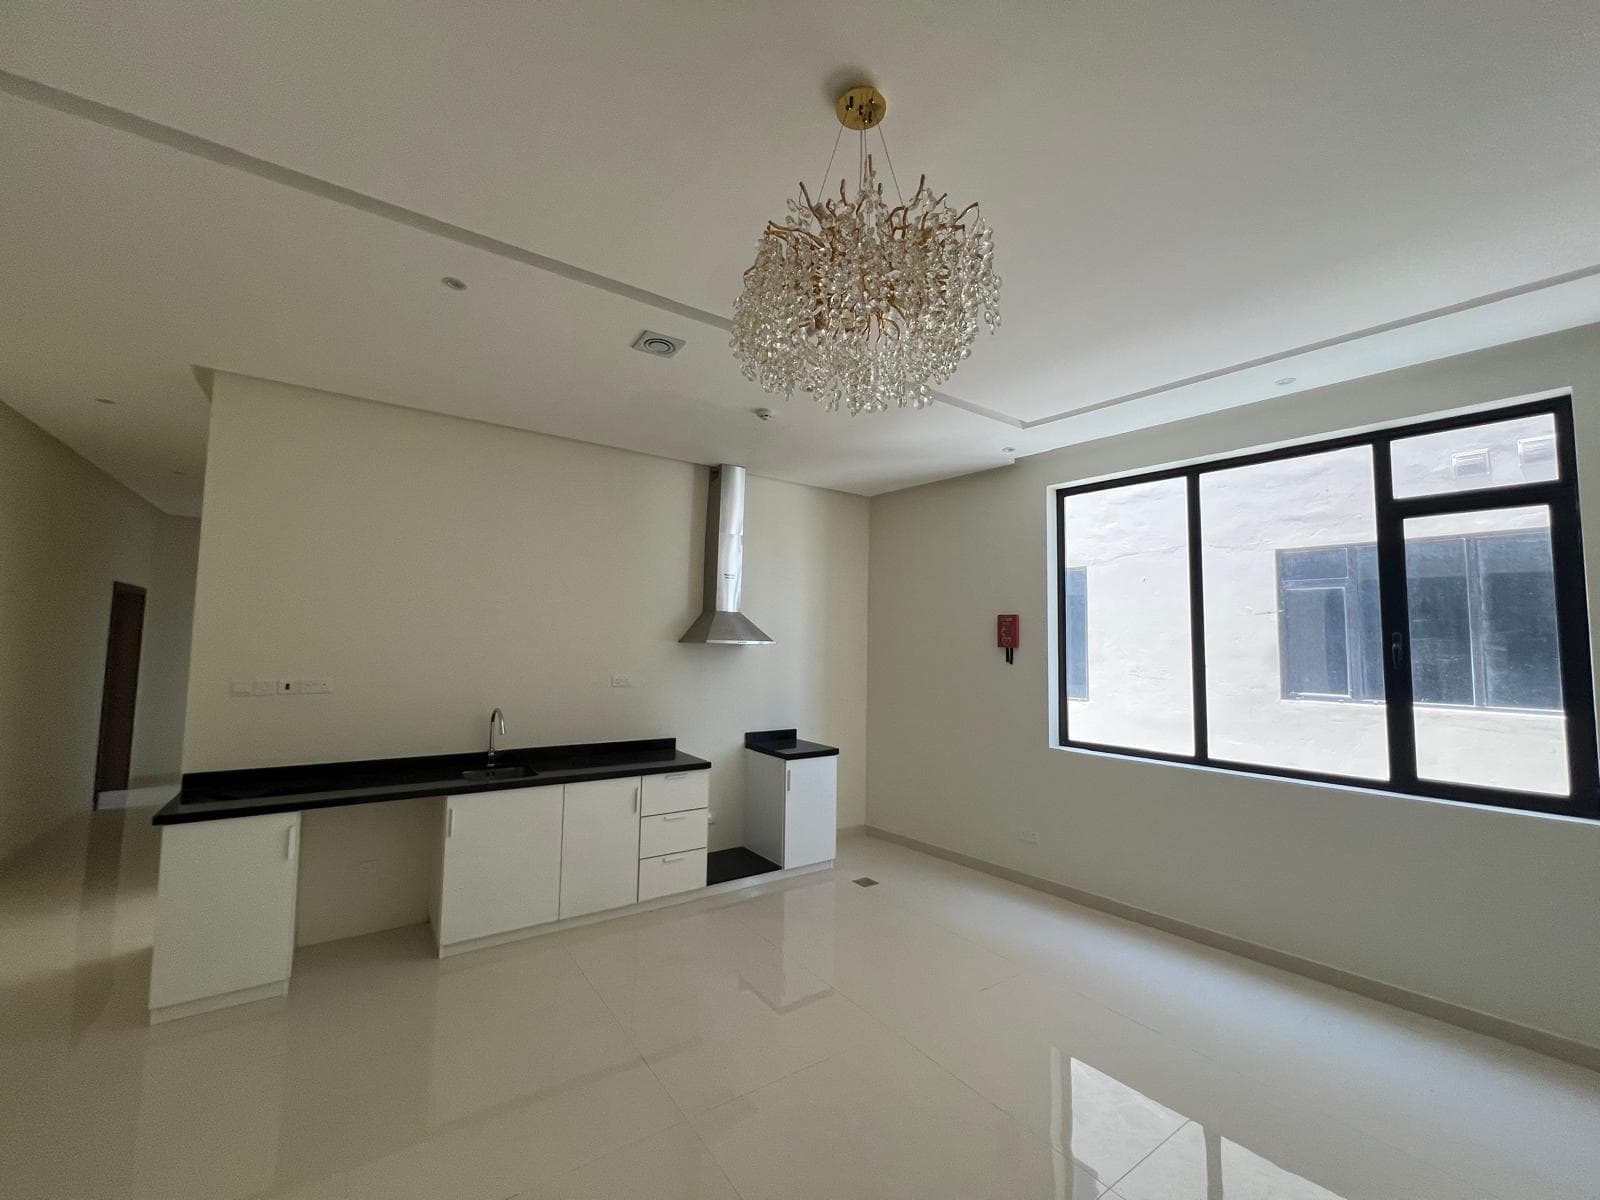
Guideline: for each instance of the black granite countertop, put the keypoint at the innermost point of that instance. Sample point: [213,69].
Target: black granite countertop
[216,795]
[784,743]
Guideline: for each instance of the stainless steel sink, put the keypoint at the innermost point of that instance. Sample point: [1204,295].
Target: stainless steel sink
[484,774]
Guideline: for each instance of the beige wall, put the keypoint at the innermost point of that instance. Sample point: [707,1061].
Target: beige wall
[67,531]
[1492,910]
[432,568]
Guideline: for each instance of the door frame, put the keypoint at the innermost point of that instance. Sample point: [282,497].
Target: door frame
[118,591]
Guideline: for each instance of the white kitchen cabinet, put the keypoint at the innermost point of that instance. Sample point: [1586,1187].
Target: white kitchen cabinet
[600,846]
[672,873]
[500,869]
[224,911]
[676,791]
[791,808]
[672,832]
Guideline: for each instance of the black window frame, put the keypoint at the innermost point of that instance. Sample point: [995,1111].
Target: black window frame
[1560,496]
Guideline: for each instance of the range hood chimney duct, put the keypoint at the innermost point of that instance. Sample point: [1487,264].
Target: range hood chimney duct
[721,623]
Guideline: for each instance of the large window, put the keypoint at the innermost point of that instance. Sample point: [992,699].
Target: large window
[1403,609]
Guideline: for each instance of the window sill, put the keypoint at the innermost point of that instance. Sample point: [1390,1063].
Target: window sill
[1375,789]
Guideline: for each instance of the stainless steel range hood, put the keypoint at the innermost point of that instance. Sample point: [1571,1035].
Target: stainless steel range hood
[721,623]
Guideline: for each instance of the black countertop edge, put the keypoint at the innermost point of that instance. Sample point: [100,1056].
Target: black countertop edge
[205,795]
[785,743]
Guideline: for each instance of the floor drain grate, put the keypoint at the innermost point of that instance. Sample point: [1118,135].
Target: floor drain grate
[865,881]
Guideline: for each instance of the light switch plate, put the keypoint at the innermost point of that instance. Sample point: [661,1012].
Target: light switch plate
[622,681]
[312,687]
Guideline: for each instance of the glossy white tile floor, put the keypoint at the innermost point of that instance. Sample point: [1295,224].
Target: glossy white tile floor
[941,1035]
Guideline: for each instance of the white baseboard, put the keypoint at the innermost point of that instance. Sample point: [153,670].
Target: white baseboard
[1539,1040]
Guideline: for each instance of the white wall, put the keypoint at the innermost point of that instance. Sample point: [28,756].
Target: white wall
[67,531]
[1493,910]
[432,568]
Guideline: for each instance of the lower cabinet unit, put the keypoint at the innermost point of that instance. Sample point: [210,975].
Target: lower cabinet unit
[672,873]
[791,808]
[600,846]
[225,909]
[501,866]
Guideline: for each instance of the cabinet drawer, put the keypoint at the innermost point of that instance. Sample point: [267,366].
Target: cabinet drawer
[671,832]
[676,792]
[672,873]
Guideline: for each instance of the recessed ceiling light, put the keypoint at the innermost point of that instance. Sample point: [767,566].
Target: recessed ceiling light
[659,344]
[103,400]
[1008,449]
[454,284]
[1285,381]
[762,414]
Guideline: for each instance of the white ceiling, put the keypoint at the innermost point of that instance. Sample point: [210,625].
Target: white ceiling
[1179,191]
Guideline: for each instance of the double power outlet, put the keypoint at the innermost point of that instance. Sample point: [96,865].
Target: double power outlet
[278,687]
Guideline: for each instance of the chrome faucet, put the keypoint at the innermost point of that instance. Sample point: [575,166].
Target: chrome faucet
[497,723]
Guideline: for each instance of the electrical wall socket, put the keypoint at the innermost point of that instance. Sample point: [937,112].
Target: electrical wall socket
[278,687]
[1028,837]
[622,681]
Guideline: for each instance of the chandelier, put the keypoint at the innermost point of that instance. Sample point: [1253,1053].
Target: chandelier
[861,302]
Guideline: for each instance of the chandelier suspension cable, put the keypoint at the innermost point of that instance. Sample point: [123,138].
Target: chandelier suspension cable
[889,160]
[822,189]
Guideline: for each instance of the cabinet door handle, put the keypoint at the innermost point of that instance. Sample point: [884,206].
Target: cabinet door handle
[679,775]
[788,779]
[449,821]
[672,858]
[674,816]
[289,840]
[635,799]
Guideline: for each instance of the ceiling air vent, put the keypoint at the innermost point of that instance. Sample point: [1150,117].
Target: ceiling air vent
[1470,464]
[658,344]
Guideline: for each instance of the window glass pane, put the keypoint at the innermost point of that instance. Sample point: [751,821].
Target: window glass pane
[1485,660]
[1495,454]
[1077,580]
[1315,643]
[1331,564]
[1367,646]
[1300,515]
[1130,545]
[1441,621]
[1517,627]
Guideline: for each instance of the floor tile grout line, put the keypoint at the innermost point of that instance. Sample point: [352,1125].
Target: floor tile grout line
[1182,1125]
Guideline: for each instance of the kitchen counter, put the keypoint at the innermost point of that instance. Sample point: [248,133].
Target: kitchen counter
[217,795]
[784,743]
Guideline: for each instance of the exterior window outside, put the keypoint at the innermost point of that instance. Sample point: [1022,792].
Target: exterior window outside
[1077,596]
[1483,624]
[1292,617]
